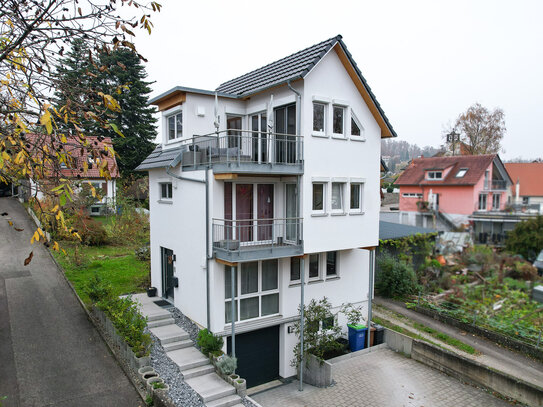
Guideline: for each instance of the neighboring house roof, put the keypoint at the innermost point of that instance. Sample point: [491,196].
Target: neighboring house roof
[529,175]
[415,173]
[79,154]
[159,158]
[390,230]
[290,68]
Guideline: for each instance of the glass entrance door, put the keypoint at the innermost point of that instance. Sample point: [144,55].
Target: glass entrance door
[285,123]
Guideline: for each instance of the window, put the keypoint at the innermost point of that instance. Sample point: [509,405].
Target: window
[461,172]
[482,202]
[356,197]
[175,126]
[496,202]
[319,117]
[331,264]
[355,128]
[166,191]
[295,265]
[256,290]
[95,209]
[435,175]
[337,196]
[338,122]
[318,197]
[314,266]
[525,200]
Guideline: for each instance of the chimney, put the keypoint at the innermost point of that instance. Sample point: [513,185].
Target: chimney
[517,192]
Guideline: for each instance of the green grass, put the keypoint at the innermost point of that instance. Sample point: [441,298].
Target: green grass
[117,265]
[104,220]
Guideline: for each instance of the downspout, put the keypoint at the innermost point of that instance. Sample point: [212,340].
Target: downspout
[176,161]
[299,212]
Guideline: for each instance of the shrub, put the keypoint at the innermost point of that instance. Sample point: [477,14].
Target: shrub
[143,253]
[395,278]
[526,238]
[353,314]
[97,289]
[227,364]
[91,231]
[209,342]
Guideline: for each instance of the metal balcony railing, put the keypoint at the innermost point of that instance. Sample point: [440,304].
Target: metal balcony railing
[243,148]
[495,185]
[251,239]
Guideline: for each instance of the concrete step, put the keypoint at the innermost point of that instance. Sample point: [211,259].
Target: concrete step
[197,371]
[168,347]
[169,333]
[156,314]
[160,322]
[228,401]
[188,358]
[211,387]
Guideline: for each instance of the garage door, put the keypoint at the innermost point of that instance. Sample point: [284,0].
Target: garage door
[258,355]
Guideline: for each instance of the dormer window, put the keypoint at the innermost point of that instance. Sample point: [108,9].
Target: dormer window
[175,126]
[435,175]
[461,172]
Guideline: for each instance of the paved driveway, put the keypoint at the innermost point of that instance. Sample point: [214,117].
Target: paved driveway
[382,378]
[50,354]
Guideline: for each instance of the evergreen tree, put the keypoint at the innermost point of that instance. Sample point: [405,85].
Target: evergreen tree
[121,74]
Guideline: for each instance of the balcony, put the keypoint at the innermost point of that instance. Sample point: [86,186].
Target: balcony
[256,239]
[495,185]
[244,152]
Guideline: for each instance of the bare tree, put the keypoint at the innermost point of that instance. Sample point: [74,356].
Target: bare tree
[34,35]
[480,130]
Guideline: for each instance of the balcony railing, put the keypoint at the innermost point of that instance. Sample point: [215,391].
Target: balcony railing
[245,151]
[254,239]
[495,185]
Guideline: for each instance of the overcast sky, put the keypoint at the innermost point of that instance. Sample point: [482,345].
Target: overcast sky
[426,61]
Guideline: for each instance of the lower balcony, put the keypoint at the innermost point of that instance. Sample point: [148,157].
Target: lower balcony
[257,239]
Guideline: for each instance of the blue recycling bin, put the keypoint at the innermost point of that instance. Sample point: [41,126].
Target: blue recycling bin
[357,337]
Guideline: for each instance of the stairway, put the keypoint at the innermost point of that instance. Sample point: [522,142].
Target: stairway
[196,369]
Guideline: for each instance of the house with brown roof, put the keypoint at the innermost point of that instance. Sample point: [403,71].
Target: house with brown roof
[442,192]
[90,161]
[528,185]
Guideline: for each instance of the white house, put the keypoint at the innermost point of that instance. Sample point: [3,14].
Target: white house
[289,176]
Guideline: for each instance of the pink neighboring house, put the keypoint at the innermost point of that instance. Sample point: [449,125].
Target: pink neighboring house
[452,188]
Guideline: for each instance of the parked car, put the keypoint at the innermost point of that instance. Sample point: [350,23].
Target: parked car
[538,263]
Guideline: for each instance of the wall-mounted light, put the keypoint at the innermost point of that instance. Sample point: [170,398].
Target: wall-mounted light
[290,329]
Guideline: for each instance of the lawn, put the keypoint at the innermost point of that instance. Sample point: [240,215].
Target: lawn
[117,265]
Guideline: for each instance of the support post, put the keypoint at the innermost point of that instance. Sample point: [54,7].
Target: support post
[370,294]
[233,275]
[302,287]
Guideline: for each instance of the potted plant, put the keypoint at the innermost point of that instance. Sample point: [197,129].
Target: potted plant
[357,330]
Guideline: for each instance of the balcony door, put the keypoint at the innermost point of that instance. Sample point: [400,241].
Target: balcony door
[233,124]
[285,123]
[291,212]
[260,143]
[251,199]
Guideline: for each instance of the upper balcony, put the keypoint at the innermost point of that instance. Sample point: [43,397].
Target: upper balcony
[495,185]
[257,239]
[244,152]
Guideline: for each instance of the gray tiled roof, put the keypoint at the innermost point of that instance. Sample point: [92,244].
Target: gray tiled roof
[294,66]
[159,158]
[390,230]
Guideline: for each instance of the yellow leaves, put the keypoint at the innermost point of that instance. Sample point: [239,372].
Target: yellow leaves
[110,102]
[36,236]
[46,120]
[20,157]
[6,156]
[55,246]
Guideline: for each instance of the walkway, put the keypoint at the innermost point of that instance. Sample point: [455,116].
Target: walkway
[197,370]
[50,353]
[381,378]
[492,355]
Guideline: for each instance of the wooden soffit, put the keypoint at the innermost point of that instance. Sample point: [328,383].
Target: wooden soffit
[171,100]
[385,131]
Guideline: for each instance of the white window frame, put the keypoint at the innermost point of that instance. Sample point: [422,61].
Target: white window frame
[461,173]
[258,294]
[431,175]
[362,136]
[331,276]
[160,196]
[344,109]
[320,212]
[480,201]
[496,197]
[291,281]
[341,183]
[167,115]
[362,183]
[319,267]
[325,119]
[321,100]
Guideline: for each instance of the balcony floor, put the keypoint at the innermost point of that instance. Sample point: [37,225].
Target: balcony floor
[258,252]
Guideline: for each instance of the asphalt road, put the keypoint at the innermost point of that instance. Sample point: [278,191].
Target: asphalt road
[50,353]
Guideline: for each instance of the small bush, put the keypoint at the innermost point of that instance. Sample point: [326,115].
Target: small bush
[143,253]
[227,364]
[92,232]
[395,278]
[526,238]
[209,342]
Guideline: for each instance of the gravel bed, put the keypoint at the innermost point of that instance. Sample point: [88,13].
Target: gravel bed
[181,393]
[186,323]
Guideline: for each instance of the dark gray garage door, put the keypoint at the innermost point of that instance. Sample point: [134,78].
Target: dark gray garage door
[258,355]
